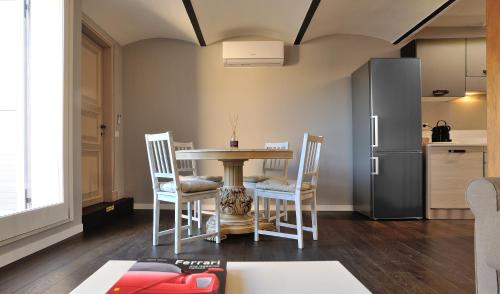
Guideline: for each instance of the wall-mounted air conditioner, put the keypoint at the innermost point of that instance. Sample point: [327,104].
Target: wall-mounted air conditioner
[253,53]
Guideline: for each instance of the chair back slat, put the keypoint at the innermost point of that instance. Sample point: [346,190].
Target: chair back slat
[186,167]
[156,157]
[161,157]
[279,166]
[164,156]
[309,159]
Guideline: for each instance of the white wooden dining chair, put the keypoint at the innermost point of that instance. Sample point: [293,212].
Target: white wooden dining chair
[168,187]
[298,191]
[276,168]
[189,168]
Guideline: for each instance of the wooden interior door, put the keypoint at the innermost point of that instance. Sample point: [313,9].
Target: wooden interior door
[92,113]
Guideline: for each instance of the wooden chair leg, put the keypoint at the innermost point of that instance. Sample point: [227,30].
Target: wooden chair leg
[277,204]
[217,218]
[298,212]
[199,215]
[156,220]
[256,217]
[190,218]
[314,217]
[178,231]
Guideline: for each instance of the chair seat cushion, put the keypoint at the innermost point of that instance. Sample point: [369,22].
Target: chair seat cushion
[255,179]
[282,185]
[216,179]
[191,185]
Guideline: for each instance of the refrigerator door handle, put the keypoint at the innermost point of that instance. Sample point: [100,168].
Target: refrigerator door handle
[376,165]
[375,130]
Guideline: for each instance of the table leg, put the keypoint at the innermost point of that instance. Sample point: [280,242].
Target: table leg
[235,203]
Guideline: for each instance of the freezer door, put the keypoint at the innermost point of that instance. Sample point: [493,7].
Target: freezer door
[395,104]
[397,185]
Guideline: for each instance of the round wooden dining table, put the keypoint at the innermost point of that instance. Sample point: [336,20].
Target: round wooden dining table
[235,203]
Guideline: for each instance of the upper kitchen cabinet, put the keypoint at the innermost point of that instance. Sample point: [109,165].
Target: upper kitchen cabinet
[442,65]
[475,80]
[476,57]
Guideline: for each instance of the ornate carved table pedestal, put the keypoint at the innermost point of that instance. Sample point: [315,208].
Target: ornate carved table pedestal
[235,203]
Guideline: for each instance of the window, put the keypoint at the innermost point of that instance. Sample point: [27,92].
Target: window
[32,113]
[12,100]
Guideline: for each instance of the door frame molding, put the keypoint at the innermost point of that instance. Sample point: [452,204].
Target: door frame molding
[92,31]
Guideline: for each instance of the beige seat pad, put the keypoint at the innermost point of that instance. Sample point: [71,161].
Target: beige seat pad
[191,185]
[282,185]
[255,179]
[207,178]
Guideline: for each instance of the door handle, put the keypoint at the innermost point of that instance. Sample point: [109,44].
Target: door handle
[103,129]
[376,165]
[375,130]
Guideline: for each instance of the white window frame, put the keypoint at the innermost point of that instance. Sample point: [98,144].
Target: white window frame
[29,222]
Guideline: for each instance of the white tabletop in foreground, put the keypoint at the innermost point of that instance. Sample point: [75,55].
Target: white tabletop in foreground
[253,277]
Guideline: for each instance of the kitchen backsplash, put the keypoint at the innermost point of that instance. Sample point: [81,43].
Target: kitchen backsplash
[463,136]
[466,113]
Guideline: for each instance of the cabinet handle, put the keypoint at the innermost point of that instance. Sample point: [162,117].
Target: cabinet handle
[376,165]
[440,92]
[456,151]
[375,130]
[484,71]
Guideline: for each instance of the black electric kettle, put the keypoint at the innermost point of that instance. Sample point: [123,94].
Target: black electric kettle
[441,133]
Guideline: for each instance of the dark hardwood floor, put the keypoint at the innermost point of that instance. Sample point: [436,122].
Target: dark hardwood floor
[386,256]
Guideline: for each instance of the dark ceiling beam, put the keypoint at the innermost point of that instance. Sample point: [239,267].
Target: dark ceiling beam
[307,20]
[424,21]
[194,21]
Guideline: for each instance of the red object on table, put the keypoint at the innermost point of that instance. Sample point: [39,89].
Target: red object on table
[147,282]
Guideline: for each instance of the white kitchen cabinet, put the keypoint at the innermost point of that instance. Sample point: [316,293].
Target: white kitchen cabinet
[475,84]
[450,67]
[476,57]
[442,65]
[450,168]
[475,80]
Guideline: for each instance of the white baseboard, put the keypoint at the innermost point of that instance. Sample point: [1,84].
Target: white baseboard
[31,248]
[321,207]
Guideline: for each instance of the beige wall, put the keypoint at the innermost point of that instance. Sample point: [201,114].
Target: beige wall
[177,86]
[467,113]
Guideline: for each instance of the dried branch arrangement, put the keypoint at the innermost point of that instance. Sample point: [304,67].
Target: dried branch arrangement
[233,120]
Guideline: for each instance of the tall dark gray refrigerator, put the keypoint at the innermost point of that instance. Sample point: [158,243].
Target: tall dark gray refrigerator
[387,138]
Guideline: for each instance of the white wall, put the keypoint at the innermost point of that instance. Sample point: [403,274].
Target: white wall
[177,86]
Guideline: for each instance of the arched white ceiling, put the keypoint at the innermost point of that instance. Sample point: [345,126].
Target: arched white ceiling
[465,13]
[384,19]
[128,21]
[132,20]
[277,19]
